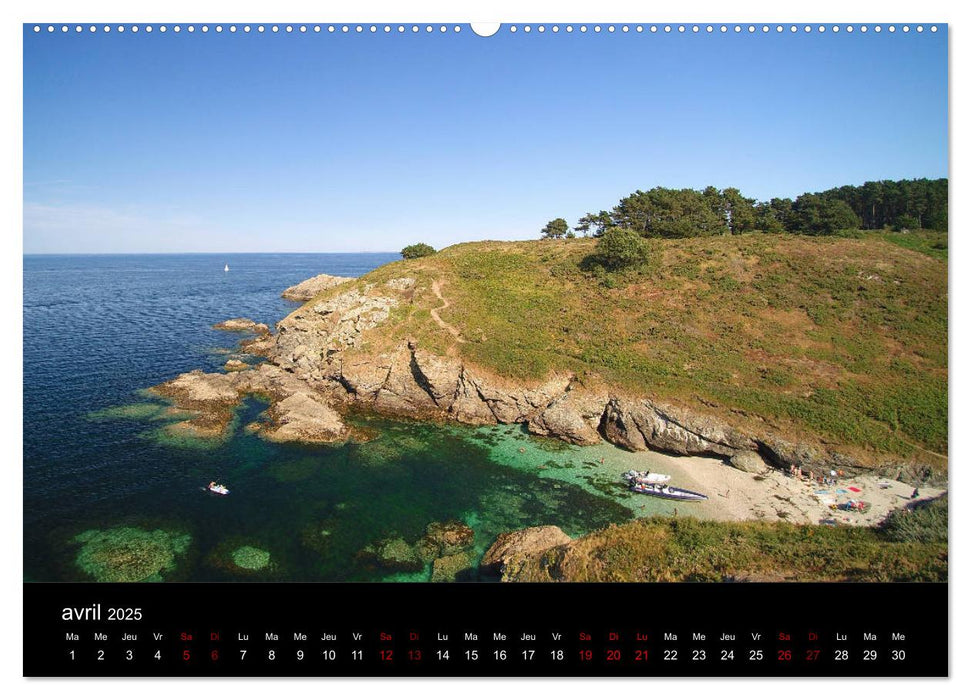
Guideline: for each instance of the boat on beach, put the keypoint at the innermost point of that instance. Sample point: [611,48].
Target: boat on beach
[646,477]
[669,492]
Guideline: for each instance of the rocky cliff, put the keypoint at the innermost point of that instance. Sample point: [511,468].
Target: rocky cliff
[353,345]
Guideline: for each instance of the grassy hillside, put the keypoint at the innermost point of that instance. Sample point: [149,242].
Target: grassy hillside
[685,549]
[842,339]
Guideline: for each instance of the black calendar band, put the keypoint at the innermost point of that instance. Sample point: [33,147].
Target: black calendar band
[340,630]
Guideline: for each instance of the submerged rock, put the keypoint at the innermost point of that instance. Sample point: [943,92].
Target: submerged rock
[394,554]
[129,554]
[512,548]
[308,289]
[448,568]
[444,539]
[251,558]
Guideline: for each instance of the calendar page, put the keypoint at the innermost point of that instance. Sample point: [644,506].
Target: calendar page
[515,349]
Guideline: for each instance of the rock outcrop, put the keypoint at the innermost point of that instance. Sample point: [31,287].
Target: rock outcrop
[242,325]
[303,417]
[511,549]
[308,289]
[297,414]
[748,461]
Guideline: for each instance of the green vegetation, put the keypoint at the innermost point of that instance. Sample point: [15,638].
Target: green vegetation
[925,522]
[838,339]
[418,250]
[621,248]
[663,212]
[686,549]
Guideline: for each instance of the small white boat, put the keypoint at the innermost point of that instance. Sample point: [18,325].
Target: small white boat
[635,477]
[226,269]
[217,488]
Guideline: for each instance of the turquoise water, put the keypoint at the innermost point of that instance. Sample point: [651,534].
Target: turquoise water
[108,496]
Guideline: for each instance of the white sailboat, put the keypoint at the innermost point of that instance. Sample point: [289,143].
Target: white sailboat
[226,269]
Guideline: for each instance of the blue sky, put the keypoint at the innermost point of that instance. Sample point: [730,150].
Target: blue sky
[332,142]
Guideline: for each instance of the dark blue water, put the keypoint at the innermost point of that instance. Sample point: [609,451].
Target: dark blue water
[98,329]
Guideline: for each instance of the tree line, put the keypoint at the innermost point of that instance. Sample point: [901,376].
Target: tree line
[663,212]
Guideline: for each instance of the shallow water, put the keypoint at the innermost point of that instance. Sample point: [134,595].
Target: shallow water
[97,329]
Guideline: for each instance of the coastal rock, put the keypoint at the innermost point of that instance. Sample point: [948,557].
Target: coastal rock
[438,376]
[242,325]
[209,398]
[444,539]
[303,417]
[469,407]
[198,387]
[401,394]
[235,365]
[511,549]
[261,346]
[645,424]
[364,377]
[308,289]
[748,461]
[573,418]
[314,334]
[450,567]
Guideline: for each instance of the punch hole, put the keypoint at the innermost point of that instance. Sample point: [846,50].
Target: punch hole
[485,29]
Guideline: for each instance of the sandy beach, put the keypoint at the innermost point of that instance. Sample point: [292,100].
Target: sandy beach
[774,495]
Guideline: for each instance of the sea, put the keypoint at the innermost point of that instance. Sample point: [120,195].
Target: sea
[109,494]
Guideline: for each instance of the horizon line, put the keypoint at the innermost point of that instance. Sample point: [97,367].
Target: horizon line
[268,252]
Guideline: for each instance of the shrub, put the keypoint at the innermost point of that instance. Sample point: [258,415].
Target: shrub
[619,248]
[418,250]
[926,522]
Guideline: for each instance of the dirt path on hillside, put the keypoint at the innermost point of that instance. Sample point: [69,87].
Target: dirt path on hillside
[437,289]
